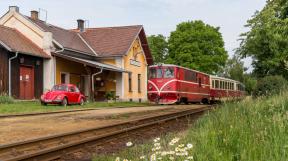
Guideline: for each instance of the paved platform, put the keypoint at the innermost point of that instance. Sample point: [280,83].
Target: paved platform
[24,128]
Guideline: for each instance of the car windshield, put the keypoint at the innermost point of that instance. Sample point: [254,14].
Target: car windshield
[59,88]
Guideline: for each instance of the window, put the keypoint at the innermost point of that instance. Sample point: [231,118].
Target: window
[65,78]
[216,84]
[213,83]
[155,73]
[72,89]
[233,86]
[59,88]
[139,83]
[226,85]
[169,72]
[130,81]
[190,76]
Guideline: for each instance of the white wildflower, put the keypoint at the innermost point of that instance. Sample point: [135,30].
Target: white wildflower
[156,140]
[189,146]
[190,157]
[153,157]
[117,159]
[142,157]
[171,158]
[129,144]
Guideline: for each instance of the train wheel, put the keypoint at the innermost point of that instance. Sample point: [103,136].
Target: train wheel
[205,101]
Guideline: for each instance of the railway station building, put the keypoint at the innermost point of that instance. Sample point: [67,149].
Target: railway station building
[36,55]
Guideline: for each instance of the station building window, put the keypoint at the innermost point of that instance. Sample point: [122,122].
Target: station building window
[130,82]
[139,83]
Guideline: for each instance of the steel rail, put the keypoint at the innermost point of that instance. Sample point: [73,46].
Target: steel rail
[41,147]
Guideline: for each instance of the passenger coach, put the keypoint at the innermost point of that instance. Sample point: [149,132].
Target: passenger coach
[170,84]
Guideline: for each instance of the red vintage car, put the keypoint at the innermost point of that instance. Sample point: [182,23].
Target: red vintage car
[63,94]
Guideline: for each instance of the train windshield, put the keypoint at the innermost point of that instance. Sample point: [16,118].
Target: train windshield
[161,72]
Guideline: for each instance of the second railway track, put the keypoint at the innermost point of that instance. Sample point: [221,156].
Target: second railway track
[52,147]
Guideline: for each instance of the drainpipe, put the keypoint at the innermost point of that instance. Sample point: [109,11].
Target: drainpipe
[92,83]
[54,62]
[10,59]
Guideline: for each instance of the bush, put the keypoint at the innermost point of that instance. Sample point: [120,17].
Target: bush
[270,85]
[109,95]
[5,99]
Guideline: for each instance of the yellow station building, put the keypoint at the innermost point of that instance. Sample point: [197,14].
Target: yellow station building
[97,60]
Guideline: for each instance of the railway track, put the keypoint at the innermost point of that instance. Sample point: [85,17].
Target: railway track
[53,147]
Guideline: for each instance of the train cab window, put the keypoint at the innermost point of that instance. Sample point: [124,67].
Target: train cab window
[169,72]
[155,73]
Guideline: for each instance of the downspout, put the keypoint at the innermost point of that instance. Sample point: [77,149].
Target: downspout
[10,59]
[54,62]
[92,83]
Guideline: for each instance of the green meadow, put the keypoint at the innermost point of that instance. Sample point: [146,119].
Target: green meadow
[250,130]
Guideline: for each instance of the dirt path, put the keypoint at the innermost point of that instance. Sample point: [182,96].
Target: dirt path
[25,128]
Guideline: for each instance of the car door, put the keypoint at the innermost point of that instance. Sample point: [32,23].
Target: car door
[77,94]
[71,94]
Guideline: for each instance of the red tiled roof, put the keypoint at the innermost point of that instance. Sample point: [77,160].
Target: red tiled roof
[67,38]
[116,41]
[17,42]
[111,41]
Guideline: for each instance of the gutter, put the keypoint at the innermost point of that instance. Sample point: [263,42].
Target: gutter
[92,83]
[10,59]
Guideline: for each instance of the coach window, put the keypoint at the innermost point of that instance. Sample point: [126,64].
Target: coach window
[213,83]
[152,73]
[169,72]
[226,85]
[216,84]
[233,86]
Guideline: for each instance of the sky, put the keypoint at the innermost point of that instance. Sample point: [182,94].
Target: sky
[157,16]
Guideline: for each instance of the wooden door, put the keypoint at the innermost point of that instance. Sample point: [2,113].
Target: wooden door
[26,83]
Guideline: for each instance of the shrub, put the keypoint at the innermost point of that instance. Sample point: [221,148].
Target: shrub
[109,95]
[5,99]
[270,85]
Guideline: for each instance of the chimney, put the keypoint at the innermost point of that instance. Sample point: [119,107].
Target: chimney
[14,8]
[34,15]
[80,25]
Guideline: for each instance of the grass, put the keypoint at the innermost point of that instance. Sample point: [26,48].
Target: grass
[29,107]
[251,130]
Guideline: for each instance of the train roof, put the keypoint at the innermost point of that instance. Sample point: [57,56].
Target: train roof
[211,76]
[172,65]
[222,78]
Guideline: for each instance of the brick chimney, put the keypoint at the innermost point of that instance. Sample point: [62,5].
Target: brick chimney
[80,25]
[14,8]
[34,15]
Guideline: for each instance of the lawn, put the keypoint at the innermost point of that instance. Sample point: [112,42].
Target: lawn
[251,130]
[28,107]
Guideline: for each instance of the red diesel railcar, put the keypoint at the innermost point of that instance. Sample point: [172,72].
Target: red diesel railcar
[170,84]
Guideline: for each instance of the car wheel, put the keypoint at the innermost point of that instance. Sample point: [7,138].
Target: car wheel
[81,102]
[64,102]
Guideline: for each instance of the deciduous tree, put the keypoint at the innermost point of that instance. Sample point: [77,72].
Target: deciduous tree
[197,45]
[159,47]
[267,41]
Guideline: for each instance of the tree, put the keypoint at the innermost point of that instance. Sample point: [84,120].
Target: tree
[267,42]
[159,47]
[198,46]
[234,69]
